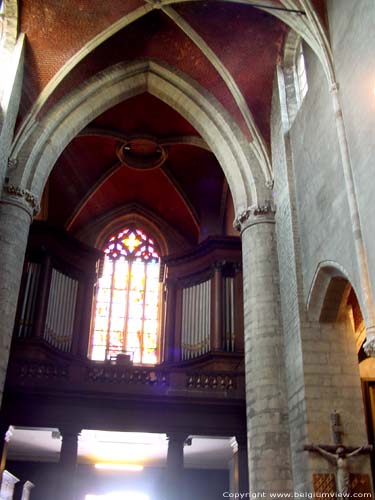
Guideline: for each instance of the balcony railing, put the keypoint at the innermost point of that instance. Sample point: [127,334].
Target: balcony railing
[201,349]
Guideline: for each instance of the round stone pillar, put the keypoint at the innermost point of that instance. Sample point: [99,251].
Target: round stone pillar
[266,397]
[16,211]
[175,465]
[68,463]
[239,477]
[5,438]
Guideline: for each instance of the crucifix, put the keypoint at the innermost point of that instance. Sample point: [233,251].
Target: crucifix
[339,454]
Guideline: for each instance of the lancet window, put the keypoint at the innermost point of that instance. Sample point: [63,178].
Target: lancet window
[126,319]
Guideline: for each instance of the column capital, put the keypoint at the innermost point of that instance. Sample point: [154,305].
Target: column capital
[255,214]
[238,442]
[233,444]
[67,430]
[21,197]
[9,434]
[177,436]
[26,490]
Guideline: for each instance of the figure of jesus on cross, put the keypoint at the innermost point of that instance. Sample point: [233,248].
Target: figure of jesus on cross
[339,454]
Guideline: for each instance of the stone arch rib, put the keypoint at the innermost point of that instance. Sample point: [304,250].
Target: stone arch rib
[37,150]
[330,285]
[308,27]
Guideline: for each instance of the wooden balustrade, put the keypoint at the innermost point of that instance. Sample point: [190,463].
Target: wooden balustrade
[93,377]
[201,325]
[201,304]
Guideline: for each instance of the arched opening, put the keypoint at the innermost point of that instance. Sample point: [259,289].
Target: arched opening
[344,389]
[38,150]
[191,342]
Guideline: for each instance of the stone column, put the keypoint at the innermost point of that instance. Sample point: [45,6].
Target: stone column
[239,477]
[175,465]
[4,451]
[267,413]
[17,207]
[8,483]
[68,463]
[26,490]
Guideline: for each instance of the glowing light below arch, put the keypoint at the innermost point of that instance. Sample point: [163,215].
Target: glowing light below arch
[119,495]
[114,466]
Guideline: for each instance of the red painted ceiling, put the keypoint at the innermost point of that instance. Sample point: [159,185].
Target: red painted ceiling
[56,30]
[153,36]
[190,181]
[188,188]
[145,114]
[151,189]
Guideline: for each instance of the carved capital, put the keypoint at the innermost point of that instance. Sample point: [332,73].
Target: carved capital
[255,214]
[9,190]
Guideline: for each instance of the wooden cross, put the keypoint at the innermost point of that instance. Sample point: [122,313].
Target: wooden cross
[339,454]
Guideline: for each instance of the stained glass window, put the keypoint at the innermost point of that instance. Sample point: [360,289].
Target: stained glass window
[127,300]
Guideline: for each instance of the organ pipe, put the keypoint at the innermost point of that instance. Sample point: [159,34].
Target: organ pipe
[195,323]
[60,317]
[29,299]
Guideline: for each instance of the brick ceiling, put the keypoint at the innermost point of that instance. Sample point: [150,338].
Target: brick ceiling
[85,182]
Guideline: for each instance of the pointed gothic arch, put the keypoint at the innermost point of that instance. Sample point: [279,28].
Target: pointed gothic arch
[308,27]
[330,285]
[36,152]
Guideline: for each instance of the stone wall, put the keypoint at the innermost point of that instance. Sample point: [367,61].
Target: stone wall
[325,225]
[352,36]
[321,195]
[288,250]
[313,225]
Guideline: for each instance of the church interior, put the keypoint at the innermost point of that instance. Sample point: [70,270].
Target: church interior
[187,271]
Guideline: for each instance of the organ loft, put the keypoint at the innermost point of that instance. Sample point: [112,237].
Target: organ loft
[187,261]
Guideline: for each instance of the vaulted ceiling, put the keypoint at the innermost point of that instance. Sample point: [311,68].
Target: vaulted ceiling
[141,151]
